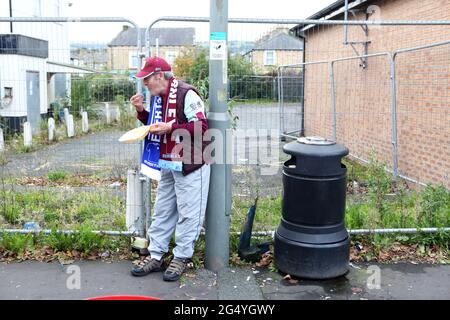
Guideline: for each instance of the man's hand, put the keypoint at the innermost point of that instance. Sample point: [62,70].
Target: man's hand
[138,102]
[161,128]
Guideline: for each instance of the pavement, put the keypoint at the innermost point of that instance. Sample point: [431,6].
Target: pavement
[86,279]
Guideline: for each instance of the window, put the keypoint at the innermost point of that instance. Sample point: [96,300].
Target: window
[269,58]
[171,56]
[132,60]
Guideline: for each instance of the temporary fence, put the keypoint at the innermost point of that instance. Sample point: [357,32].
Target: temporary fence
[378,103]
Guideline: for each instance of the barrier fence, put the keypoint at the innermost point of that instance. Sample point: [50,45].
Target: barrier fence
[393,105]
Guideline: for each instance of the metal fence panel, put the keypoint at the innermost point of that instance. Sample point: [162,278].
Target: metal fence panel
[78,175]
[423,114]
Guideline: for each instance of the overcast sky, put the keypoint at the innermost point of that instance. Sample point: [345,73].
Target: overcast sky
[144,11]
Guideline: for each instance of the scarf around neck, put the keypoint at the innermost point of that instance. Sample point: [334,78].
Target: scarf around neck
[171,153]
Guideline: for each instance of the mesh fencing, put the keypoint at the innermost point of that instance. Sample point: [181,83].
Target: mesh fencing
[70,171]
[79,175]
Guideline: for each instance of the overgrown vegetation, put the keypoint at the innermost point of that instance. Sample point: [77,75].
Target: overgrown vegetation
[83,243]
[67,209]
[376,201]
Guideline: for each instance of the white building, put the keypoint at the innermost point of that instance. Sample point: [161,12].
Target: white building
[34,61]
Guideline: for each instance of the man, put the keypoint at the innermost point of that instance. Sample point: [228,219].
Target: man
[183,189]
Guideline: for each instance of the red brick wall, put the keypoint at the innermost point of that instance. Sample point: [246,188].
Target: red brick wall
[363,96]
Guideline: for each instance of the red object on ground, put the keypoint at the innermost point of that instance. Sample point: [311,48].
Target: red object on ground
[124,298]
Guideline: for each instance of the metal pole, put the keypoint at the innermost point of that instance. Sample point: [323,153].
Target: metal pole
[302,98]
[48,231]
[148,204]
[219,200]
[279,97]
[394,115]
[333,100]
[282,129]
[346,26]
[10,15]
[254,234]
[308,21]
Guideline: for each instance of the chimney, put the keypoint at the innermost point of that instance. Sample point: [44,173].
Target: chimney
[125,28]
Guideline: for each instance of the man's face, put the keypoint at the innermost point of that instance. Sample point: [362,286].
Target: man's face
[156,83]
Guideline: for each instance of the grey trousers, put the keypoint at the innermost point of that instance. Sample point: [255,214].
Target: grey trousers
[179,207]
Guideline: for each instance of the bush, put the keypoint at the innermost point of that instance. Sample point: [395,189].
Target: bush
[81,95]
[92,89]
[105,88]
[193,67]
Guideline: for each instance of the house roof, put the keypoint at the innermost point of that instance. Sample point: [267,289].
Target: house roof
[166,37]
[331,11]
[280,41]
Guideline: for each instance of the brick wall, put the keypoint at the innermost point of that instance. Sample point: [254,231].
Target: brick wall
[363,96]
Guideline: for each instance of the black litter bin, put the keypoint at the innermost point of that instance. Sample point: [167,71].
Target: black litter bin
[311,240]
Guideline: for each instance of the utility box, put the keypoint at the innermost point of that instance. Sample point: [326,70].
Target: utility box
[311,240]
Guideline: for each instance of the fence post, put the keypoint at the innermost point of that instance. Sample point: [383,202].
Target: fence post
[219,201]
[51,129]
[108,113]
[84,122]
[134,214]
[394,114]
[2,141]
[27,134]
[70,126]
[148,204]
[117,113]
[282,129]
[279,99]
[333,101]
[66,115]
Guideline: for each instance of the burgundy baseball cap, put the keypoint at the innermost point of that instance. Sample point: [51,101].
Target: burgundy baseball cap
[153,64]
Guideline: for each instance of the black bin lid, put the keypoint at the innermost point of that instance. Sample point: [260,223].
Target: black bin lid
[315,156]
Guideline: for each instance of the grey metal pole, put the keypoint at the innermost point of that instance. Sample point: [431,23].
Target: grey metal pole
[219,200]
[282,129]
[279,98]
[346,26]
[148,204]
[394,115]
[333,100]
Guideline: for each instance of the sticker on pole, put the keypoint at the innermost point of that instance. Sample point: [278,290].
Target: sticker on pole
[218,46]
